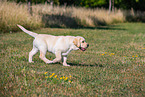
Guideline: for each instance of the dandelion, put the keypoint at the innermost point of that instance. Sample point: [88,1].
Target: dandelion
[23,69]
[45,72]
[46,76]
[112,54]
[63,77]
[69,81]
[32,71]
[50,76]
[55,76]
[66,78]
[102,54]
[60,77]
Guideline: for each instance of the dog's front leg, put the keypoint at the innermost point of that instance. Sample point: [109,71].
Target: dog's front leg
[64,61]
[65,54]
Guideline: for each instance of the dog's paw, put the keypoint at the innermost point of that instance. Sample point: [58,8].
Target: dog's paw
[48,62]
[64,54]
[66,65]
[31,61]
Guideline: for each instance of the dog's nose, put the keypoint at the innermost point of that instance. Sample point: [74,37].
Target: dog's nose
[87,45]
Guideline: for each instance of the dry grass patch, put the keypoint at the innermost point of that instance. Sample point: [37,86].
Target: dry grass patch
[77,16]
[12,14]
[45,15]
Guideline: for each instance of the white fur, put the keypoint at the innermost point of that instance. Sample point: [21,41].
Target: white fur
[61,46]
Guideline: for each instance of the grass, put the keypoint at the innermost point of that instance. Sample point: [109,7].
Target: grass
[60,16]
[113,65]
[45,15]
[57,16]
[12,13]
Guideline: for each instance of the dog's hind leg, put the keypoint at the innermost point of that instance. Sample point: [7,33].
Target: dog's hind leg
[58,57]
[31,53]
[42,57]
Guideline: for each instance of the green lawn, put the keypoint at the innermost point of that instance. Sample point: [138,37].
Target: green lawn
[113,65]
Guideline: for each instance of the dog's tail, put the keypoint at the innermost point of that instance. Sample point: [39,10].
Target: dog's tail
[28,32]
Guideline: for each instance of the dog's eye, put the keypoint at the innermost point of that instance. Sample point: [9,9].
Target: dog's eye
[83,41]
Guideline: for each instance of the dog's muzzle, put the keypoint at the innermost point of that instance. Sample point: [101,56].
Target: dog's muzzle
[83,49]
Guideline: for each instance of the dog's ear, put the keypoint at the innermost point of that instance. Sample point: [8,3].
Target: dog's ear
[76,42]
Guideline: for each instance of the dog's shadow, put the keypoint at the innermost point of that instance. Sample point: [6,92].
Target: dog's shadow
[86,65]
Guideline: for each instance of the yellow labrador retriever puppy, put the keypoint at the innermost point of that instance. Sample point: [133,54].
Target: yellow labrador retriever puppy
[61,46]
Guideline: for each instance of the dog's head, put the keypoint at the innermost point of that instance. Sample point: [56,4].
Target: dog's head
[80,43]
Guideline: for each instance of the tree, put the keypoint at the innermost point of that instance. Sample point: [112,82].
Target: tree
[29,2]
[123,4]
[111,5]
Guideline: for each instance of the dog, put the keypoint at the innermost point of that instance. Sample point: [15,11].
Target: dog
[61,46]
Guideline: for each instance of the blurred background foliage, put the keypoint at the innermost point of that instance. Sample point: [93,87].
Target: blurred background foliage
[122,4]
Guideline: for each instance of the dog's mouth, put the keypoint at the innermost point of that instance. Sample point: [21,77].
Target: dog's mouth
[83,49]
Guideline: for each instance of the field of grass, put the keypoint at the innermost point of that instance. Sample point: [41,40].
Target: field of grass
[45,15]
[113,65]
[12,13]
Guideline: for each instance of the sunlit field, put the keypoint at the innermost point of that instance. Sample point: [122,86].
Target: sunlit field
[113,65]
[45,15]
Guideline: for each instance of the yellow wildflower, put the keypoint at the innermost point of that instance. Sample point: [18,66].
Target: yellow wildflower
[55,76]
[69,81]
[23,69]
[105,52]
[61,78]
[46,76]
[45,73]
[102,54]
[66,78]
[32,71]
[112,53]
[50,76]
[136,56]
[132,56]
[70,76]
